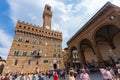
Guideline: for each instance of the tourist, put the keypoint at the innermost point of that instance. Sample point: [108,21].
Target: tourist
[84,75]
[55,76]
[42,76]
[71,75]
[118,74]
[6,77]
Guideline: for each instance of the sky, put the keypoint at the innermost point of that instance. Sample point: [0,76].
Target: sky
[68,17]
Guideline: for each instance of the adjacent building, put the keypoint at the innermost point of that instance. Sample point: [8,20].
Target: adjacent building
[98,41]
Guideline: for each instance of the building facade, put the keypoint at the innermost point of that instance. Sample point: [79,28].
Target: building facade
[35,48]
[98,41]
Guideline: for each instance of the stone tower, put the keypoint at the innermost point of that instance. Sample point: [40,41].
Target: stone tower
[35,47]
[47,15]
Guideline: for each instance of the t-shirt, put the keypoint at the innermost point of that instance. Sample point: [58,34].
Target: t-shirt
[71,78]
[119,71]
[55,77]
[84,76]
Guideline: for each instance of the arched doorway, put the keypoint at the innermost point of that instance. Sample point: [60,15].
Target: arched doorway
[105,39]
[75,57]
[55,66]
[88,54]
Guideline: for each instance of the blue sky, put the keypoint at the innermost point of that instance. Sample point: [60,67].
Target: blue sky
[68,17]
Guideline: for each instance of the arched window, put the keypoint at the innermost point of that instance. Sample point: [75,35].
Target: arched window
[33,42]
[16,53]
[20,39]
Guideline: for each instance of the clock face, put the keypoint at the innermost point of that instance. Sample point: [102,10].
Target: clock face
[47,27]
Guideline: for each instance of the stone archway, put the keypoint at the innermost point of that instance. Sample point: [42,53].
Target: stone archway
[105,40]
[75,57]
[88,54]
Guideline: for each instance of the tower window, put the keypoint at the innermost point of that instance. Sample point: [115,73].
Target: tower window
[20,39]
[16,53]
[48,8]
[24,53]
[39,30]
[16,61]
[33,29]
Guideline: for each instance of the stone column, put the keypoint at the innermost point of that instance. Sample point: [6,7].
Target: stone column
[98,54]
[82,57]
[70,59]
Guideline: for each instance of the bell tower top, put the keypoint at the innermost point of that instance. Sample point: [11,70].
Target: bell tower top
[47,15]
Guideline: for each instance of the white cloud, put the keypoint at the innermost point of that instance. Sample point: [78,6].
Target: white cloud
[5,42]
[68,18]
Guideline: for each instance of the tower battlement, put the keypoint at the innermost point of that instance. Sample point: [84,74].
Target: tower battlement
[25,27]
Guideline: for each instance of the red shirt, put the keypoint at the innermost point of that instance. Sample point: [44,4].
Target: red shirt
[55,76]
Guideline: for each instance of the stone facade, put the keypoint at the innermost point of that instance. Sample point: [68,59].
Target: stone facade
[97,42]
[31,38]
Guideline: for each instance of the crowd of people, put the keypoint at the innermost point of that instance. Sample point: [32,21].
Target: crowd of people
[108,73]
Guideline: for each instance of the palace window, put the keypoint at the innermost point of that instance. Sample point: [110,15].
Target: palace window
[33,42]
[45,61]
[16,53]
[27,41]
[20,39]
[24,53]
[16,61]
[31,54]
